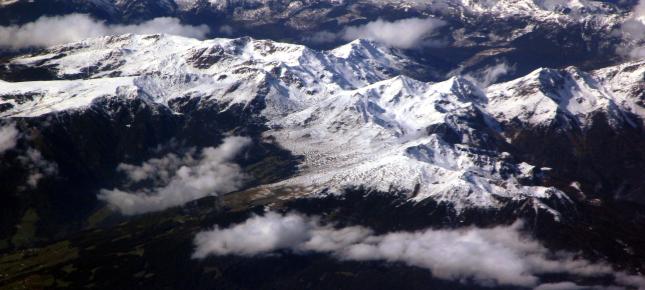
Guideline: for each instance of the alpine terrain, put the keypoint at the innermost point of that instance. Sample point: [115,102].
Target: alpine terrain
[323,144]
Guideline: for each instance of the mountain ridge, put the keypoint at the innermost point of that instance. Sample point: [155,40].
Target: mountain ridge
[480,129]
[353,102]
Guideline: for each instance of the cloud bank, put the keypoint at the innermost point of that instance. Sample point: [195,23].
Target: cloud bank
[8,137]
[404,33]
[492,256]
[48,31]
[180,180]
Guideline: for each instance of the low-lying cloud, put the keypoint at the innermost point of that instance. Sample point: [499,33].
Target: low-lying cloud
[633,33]
[491,74]
[8,137]
[49,31]
[31,160]
[37,166]
[179,180]
[490,256]
[404,33]
[573,286]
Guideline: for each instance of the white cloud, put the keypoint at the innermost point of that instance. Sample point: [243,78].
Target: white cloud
[181,179]
[490,75]
[574,286]
[8,137]
[560,286]
[256,235]
[491,256]
[639,11]
[633,33]
[631,280]
[38,167]
[226,30]
[404,33]
[48,31]
[322,37]
[32,160]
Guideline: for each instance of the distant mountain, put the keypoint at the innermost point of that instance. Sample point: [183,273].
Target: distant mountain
[527,34]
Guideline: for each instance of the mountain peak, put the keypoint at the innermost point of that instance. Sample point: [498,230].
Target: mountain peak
[566,96]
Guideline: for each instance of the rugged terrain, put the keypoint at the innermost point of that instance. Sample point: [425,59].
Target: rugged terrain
[118,151]
[554,146]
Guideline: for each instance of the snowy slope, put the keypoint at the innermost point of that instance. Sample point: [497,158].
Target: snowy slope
[570,95]
[540,8]
[348,111]
[379,136]
[505,7]
[626,84]
[42,97]
[231,70]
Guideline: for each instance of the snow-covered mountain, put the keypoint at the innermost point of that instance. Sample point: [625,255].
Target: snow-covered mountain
[541,8]
[465,37]
[512,128]
[514,18]
[352,115]
[322,144]
[569,96]
[503,7]
[232,71]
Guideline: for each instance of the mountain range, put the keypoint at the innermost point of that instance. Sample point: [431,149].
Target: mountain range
[124,159]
